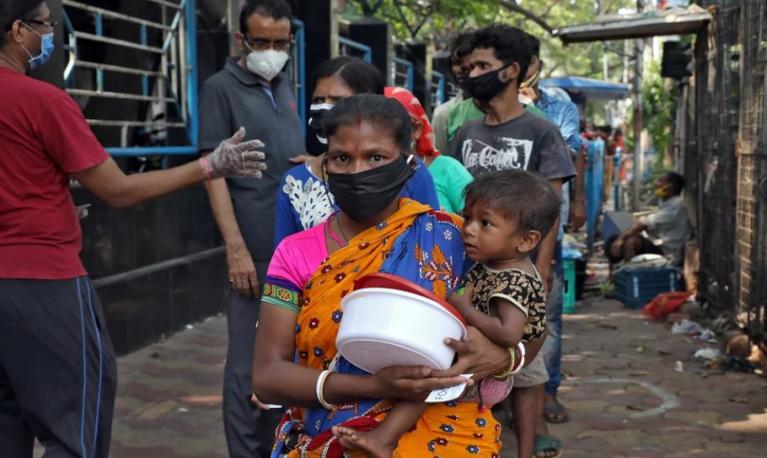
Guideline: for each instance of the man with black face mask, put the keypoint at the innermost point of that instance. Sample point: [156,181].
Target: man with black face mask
[509,137]
[451,116]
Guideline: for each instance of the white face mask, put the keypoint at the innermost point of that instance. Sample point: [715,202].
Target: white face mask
[267,64]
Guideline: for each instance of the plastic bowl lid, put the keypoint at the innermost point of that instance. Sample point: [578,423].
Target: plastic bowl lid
[384,280]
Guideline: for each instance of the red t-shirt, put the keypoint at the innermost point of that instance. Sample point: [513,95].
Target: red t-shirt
[43,138]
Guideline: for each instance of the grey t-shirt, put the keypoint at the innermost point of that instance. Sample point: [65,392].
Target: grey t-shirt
[235,97]
[527,142]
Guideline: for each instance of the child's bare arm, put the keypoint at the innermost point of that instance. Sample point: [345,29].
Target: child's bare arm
[505,329]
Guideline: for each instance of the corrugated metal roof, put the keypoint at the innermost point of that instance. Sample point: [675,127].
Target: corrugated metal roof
[672,22]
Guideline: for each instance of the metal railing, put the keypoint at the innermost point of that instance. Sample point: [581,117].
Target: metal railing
[167,69]
[298,69]
[347,47]
[402,72]
[438,89]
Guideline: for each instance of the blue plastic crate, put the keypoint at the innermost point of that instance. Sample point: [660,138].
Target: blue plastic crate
[637,287]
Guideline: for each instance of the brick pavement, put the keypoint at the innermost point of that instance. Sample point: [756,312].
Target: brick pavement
[625,398]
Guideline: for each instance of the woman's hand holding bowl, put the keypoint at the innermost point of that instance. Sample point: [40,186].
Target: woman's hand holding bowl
[411,383]
[477,355]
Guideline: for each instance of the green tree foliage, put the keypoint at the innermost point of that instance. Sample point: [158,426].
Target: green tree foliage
[659,109]
[439,20]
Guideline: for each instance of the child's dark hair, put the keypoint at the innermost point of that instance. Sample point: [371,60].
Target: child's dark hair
[384,112]
[523,197]
[510,45]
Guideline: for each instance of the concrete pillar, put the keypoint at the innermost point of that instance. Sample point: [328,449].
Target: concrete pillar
[321,29]
[418,54]
[374,33]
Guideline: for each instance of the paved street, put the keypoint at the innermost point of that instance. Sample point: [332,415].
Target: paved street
[625,396]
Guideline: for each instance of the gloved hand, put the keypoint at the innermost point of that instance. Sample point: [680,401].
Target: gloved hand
[233,157]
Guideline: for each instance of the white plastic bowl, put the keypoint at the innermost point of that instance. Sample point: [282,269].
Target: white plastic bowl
[384,327]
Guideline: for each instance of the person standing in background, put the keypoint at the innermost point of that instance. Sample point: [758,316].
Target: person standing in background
[251,90]
[510,137]
[616,147]
[565,115]
[460,53]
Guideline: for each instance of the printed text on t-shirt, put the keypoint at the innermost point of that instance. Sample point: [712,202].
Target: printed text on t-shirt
[512,154]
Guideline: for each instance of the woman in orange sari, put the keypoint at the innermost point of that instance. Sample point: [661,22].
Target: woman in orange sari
[375,231]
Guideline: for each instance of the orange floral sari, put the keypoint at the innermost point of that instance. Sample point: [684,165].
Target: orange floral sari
[425,247]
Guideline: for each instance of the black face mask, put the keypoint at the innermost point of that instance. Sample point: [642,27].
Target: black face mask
[485,87]
[366,194]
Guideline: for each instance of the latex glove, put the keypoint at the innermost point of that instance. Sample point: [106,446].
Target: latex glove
[233,157]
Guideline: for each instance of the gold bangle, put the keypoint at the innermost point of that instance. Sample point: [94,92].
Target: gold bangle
[507,373]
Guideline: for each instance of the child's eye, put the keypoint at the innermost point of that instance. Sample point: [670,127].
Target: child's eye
[486,223]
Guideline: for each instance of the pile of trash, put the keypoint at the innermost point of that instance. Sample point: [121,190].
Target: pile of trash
[712,355]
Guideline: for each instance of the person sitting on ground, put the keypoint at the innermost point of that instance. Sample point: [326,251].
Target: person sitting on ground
[507,213]
[669,224]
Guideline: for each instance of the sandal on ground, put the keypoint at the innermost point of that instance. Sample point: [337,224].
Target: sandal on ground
[555,412]
[547,447]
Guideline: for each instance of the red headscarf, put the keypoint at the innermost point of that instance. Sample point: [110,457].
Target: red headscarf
[425,144]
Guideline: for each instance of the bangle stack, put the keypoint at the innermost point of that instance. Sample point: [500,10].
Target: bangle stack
[320,388]
[516,362]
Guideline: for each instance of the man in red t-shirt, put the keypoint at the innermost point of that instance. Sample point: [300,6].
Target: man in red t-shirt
[57,366]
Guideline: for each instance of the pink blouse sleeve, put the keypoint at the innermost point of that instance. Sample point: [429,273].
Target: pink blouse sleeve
[294,262]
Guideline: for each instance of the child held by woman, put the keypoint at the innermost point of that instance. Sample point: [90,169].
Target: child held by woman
[506,215]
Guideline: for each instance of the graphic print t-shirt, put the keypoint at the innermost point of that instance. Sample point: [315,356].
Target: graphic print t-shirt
[527,142]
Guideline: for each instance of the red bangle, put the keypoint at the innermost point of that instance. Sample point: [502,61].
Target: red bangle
[206,169]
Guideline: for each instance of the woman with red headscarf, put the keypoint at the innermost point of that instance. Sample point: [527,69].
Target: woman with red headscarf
[450,176]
